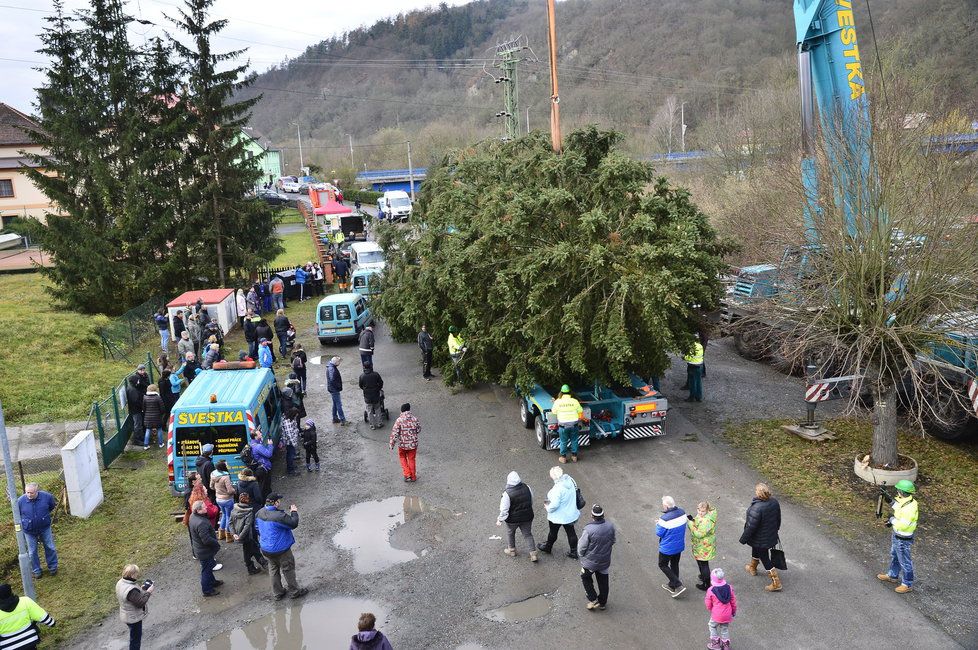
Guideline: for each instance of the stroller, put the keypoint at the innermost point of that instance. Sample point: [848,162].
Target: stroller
[290,337]
[376,414]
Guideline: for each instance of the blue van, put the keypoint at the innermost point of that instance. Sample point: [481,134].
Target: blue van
[366,282]
[342,316]
[222,408]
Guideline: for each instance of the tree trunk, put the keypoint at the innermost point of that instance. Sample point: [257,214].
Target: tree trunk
[884,427]
[220,242]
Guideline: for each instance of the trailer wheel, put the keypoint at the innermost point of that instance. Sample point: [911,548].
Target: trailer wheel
[526,415]
[751,343]
[543,436]
[946,417]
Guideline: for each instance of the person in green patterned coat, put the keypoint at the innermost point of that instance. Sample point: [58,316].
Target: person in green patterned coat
[703,539]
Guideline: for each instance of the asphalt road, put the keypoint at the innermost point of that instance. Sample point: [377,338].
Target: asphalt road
[444,576]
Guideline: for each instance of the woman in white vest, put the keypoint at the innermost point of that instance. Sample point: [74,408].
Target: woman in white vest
[132,603]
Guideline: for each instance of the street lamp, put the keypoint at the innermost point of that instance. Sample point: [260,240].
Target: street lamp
[299,135]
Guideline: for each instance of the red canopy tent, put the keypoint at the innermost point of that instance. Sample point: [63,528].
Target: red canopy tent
[324,202]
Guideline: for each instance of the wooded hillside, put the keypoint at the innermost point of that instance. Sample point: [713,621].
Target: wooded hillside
[624,64]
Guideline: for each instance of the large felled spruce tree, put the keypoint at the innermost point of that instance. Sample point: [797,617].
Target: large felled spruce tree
[557,267]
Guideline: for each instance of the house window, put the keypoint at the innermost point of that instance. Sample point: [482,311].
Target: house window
[6,188]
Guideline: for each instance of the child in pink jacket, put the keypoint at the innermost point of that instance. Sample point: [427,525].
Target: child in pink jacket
[722,603]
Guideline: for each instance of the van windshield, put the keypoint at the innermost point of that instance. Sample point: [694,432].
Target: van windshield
[370,257]
[228,439]
[401,202]
[326,312]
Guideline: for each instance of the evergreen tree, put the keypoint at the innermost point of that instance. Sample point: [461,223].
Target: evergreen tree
[239,232]
[90,131]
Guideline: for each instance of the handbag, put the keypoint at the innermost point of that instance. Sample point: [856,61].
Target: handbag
[777,557]
[580,497]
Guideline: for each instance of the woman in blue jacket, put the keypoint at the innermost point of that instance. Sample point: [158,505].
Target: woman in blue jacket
[562,512]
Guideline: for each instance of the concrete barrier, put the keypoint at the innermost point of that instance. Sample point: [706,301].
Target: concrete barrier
[82,479]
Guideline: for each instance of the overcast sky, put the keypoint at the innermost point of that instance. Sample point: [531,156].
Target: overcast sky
[272,30]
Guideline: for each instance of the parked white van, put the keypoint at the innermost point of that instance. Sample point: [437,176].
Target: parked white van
[397,205]
[367,255]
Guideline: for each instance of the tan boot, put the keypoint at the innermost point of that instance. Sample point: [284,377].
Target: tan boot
[903,589]
[775,581]
[533,556]
[220,534]
[573,458]
[562,460]
[751,567]
[510,552]
[885,577]
[228,537]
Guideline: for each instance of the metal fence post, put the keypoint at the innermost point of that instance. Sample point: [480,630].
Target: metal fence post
[150,366]
[132,333]
[101,432]
[115,407]
[23,556]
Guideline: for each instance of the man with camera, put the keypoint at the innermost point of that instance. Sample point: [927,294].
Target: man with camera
[904,524]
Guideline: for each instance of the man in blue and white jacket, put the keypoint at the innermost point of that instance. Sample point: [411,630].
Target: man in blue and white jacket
[671,531]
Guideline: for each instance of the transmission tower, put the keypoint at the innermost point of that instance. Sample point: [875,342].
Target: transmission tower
[506,58]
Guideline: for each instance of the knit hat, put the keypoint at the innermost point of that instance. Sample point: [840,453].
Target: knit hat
[8,601]
[207,448]
[310,423]
[405,407]
[716,577]
[141,366]
[597,511]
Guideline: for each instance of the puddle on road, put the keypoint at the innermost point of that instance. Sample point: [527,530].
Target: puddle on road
[367,529]
[523,610]
[309,625]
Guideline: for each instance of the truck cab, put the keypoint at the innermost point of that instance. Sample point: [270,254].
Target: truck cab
[628,411]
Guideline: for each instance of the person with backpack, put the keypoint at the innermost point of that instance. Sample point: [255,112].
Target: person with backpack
[242,528]
[562,511]
[310,440]
[299,365]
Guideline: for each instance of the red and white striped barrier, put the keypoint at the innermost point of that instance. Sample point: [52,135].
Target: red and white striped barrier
[817,392]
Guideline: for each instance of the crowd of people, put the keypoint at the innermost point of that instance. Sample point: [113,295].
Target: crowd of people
[593,549]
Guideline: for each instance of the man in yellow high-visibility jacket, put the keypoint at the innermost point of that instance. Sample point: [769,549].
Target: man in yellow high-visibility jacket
[456,348]
[904,525]
[694,373]
[568,412]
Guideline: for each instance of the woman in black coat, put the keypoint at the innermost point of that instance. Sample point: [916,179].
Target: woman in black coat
[282,325]
[153,415]
[761,533]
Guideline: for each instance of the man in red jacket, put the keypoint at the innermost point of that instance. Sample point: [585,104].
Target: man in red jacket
[405,435]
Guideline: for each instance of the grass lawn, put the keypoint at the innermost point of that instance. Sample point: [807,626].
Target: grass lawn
[290,215]
[820,473]
[51,365]
[133,524]
[299,249]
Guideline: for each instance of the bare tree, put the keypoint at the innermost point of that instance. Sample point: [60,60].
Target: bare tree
[888,285]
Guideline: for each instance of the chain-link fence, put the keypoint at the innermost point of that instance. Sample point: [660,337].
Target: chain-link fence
[111,420]
[123,334]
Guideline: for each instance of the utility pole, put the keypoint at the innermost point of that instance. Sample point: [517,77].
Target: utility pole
[682,125]
[527,119]
[554,91]
[508,55]
[353,166]
[23,557]
[410,170]
[301,165]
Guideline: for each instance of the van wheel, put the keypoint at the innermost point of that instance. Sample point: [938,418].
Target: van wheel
[543,436]
[526,415]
